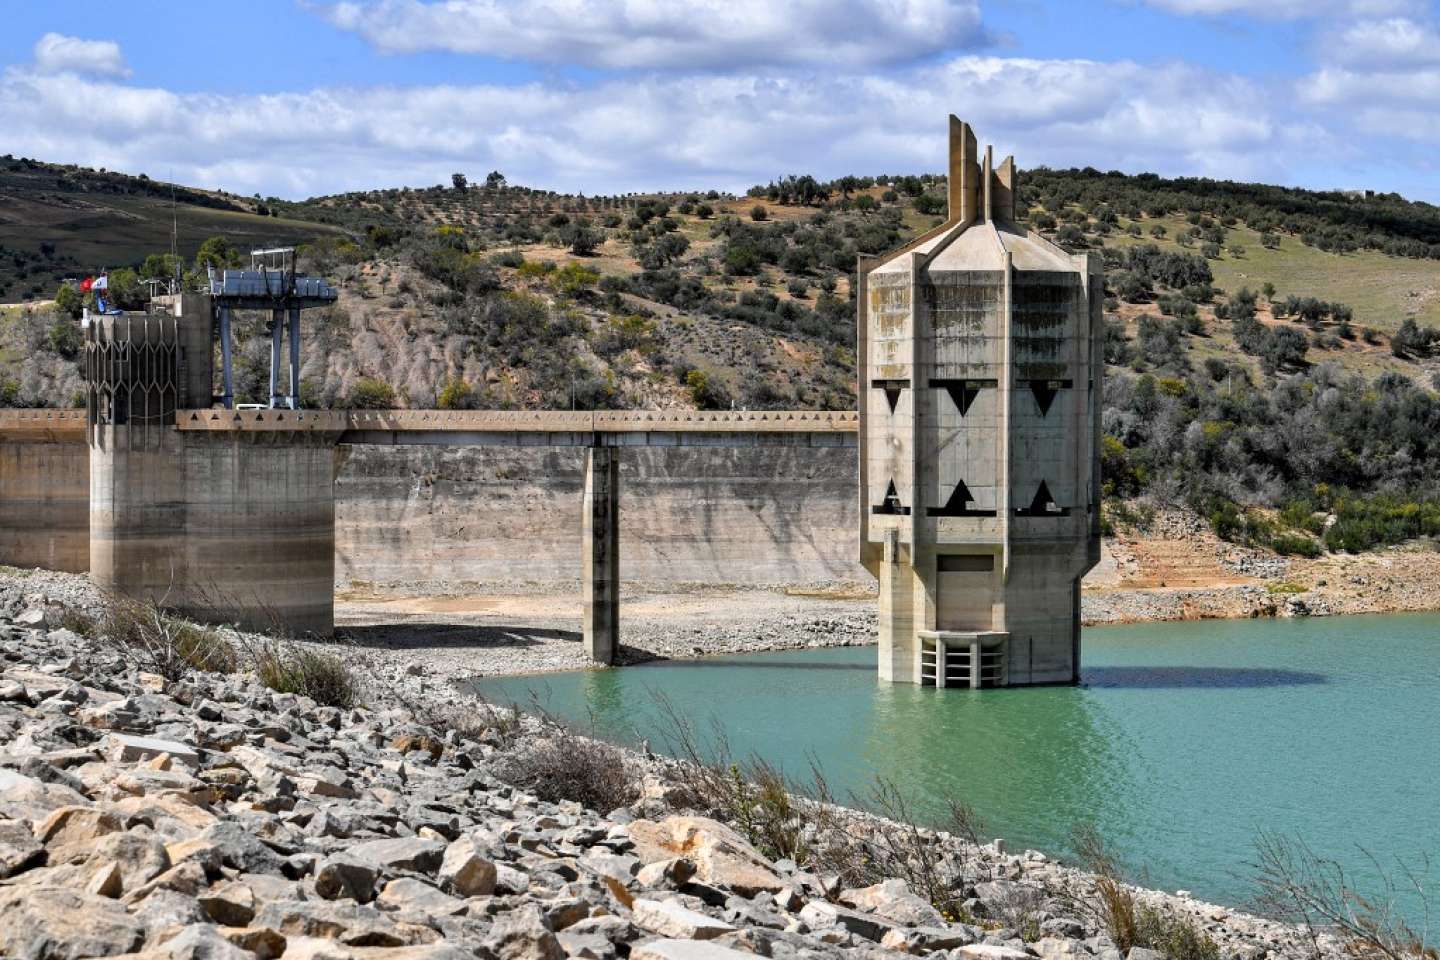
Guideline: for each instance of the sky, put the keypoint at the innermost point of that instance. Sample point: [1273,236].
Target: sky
[295,98]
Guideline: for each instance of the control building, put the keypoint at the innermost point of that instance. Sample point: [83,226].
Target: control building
[980,354]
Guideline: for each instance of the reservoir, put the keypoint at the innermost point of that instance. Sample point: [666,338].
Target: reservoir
[1183,743]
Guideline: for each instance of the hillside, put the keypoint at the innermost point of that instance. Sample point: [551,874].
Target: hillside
[64,221]
[1272,352]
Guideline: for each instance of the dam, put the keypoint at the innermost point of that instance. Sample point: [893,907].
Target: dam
[973,452]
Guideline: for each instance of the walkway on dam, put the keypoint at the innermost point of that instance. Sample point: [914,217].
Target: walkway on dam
[493,427]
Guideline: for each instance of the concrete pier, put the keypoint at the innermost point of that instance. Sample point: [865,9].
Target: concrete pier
[600,557]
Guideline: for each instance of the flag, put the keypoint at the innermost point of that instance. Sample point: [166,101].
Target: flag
[86,284]
[102,282]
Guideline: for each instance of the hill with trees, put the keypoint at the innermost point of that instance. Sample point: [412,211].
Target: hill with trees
[1272,352]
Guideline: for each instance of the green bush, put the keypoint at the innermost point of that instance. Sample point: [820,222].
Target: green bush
[368,393]
[323,677]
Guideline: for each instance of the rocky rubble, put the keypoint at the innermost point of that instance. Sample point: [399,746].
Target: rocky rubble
[213,819]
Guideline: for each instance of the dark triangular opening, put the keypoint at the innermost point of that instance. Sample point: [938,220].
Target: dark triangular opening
[962,392]
[890,506]
[963,396]
[1044,395]
[1043,505]
[959,504]
[892,390]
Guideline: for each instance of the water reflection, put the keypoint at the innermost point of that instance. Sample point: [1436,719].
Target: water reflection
[1156,677]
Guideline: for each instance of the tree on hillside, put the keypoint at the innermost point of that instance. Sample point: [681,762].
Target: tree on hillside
[495,180]
[459,181]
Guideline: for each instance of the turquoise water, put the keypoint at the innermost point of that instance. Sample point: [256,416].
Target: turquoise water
[1183,743]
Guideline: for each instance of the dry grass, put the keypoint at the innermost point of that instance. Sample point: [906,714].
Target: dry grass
[288,667]
[562,765]
[1299,885]
[155,641]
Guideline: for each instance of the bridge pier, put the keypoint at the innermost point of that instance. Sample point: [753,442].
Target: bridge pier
[600,559]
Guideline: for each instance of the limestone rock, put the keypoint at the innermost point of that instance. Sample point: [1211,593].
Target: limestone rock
[669,919]
[240,849]
[893,900]
[990,951]
[466,871]
[230,904]
[522,934]
[57,923]
[125,748]
[69,832]
[721,856]
[265,943]
[19,850]
[199,941]
[685,950]
[409,894]
[402,853]
[348,878]
[820,915]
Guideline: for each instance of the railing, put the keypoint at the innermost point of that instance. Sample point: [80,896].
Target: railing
[526,421]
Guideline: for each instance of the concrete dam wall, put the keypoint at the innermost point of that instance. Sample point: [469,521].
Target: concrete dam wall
[429,518]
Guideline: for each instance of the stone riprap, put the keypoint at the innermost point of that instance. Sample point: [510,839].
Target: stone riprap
[211,817]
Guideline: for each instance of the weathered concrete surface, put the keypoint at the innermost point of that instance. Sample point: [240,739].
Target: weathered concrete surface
[227,527]
[431,518]
[45,504]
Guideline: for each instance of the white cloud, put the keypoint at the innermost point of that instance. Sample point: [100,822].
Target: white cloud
[1291,9]
[661,131]
[1386,43]
[663,34]
[56,53]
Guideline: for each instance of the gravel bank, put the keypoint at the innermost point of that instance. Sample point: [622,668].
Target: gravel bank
[209,818]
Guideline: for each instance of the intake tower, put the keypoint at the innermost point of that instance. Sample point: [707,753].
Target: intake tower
[980,354]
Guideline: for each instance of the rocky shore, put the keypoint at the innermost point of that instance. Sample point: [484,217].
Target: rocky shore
[208,817]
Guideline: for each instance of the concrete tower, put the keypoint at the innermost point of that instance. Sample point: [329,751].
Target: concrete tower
[980,350]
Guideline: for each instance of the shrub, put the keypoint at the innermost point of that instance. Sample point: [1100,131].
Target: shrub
[292,668]
[158,642]
[565,766]
[758,213]
[508,258]
[456,395]
[368,393]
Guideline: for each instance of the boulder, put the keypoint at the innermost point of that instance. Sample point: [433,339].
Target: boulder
[465,871]
[1060,948]
[125,748]
[351,923]
[721,855]
[240,849]
[19,850]
[893,900]
[990,951]
[344,877]
[669,919]
[685,950]
[57,923]
[230,904]
[402,853]
[822,915]
[409,894]
[522,934]
[199,941]
[69,833]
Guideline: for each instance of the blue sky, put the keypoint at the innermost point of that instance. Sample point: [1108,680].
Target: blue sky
[299,98]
